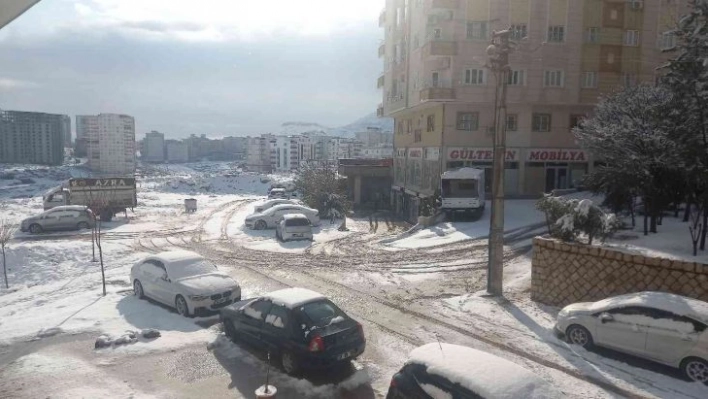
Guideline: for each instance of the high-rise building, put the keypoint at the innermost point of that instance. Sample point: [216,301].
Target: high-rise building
[84,123]
[177,151]
[374,137]
[110,143]
[31,137]
[66,130]
[568,52]
[153,147]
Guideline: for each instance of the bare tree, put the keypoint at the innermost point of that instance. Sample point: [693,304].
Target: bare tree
[99,203]
[6,232]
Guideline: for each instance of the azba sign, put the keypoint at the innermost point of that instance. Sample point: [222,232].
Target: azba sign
[479,154]
[555,155]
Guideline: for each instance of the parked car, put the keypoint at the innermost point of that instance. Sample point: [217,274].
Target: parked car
[294,226]
[270,217]
[185,281]
[302,328]
[666,328]
[271,203]
[440,370]
[68,217]
[278,193]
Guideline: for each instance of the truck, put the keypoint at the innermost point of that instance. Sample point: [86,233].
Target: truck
[462,191]
[108,195]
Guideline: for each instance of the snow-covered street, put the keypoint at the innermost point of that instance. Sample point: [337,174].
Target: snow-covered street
[407,289]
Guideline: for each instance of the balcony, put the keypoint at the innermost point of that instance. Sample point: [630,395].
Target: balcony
[382,18]
[437,90]
[380,111]
[447,4]
[440,47]
[436,18]
[438,64]
[382,49]
[380,82]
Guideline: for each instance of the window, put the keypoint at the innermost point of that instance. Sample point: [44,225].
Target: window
[320,313]
[477,30]
[553,78]
[409,126]
[257,309]
[556,34]
[516,78]
[589,80]
[437,33]
[418,136]
[667,41]
[631,38]
[436,79]
[278,317]
[474,76]
[468,121]
[431,123]
[629,79]
[541,123]
[575,120]
[592,35]
[518,31]
[399,127]
[512,122]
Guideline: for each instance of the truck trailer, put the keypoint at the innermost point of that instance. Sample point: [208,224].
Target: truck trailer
[108,196]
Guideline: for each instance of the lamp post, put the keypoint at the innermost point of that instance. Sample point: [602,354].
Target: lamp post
[498,52]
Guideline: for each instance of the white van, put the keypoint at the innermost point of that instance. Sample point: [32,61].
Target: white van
[294,226]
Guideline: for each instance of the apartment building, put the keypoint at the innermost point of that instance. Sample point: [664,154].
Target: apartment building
[31,137]
[374,137]
[84,123]
[568,52]
[110,143]
[285,153]
[66,130]
[176,151]
[344,148]
[259,157]
[153,149]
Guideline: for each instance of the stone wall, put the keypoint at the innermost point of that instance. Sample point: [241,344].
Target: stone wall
[563,273]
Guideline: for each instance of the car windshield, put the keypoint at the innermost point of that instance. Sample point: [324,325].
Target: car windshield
[190,268]
[320,313]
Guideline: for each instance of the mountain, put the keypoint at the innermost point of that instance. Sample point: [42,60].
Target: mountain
[288,128]
[359,125]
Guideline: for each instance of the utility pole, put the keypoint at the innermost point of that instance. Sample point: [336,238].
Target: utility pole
[498,52]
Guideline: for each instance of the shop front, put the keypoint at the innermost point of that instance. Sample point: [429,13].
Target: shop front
[482,158]
[549,169]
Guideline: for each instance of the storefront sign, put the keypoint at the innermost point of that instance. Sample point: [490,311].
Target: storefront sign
[400,152]
[555,155]
[479,154]
[432,154]
[415,153]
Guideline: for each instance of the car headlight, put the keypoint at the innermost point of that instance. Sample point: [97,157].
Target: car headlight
[198,297]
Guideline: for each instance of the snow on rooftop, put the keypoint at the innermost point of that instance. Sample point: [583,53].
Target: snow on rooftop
[463,173]
[673,303]
[483,373]
[177,255]
[293,297]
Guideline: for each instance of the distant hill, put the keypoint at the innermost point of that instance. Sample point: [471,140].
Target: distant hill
[360,125]
[302,127]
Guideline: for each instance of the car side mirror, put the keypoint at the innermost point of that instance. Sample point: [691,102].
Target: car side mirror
[606,317]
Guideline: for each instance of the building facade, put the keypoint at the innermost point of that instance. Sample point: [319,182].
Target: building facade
[153,149]
[176,151]
[84,123]
[31,137]
[259,157]
[66,130]
[344,148]
[568,53]
[374,137]
[110,143]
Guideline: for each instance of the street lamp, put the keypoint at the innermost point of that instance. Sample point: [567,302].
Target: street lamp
[498,52]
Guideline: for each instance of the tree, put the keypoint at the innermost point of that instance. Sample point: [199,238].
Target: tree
[632,132]
[99,204]
[322,189]
[7,230]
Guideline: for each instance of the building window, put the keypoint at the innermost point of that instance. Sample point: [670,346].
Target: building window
[592,35]
[516,78]
[409,126]
[431,123]
[437,33]
[553,78]
[474,76]
[541,123]
[667,41]
[468,121]
[399,127]
[629,79]
[631,38]
[477,30]
[436,79]
[575,120]
[589,80]
[512,122]
[418,136]
[556,34]
[518,31]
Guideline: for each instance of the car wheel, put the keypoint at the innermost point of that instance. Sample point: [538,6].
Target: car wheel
[181,306]
[261,225]
[695,369]
[289,363]
[138,289]
[35,229]
[579,335]
[82,225]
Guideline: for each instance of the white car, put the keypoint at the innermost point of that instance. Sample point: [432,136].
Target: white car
[666,328]
[185,281]
[294,226]
[269,218]
[271,203]
[278,193]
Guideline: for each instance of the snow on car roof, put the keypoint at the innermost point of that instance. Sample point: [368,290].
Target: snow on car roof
[177,256]
[293,297]
[295,216]
[463,173]
[482,373]
[673,303]
[278,207]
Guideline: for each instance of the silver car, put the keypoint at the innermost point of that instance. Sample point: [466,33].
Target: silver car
[271,203]
[294,226]
[185,281]
[69,217]
[666,328]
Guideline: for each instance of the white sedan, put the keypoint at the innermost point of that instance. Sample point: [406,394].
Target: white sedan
[271,203]
[185,281]
[666,328]
[268,219]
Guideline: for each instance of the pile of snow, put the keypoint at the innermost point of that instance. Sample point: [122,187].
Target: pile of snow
[129,337]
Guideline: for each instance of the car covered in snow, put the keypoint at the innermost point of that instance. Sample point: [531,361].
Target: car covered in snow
[439,370]
[270,217]
[185,281]
[302,328]
[294,226]
[278,193]
[666,328]
[68,217]
[274,202]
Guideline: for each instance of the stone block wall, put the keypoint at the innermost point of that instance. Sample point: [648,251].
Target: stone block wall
[563,273]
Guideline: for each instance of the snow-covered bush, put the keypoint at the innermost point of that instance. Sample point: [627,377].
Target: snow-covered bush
[568,219]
